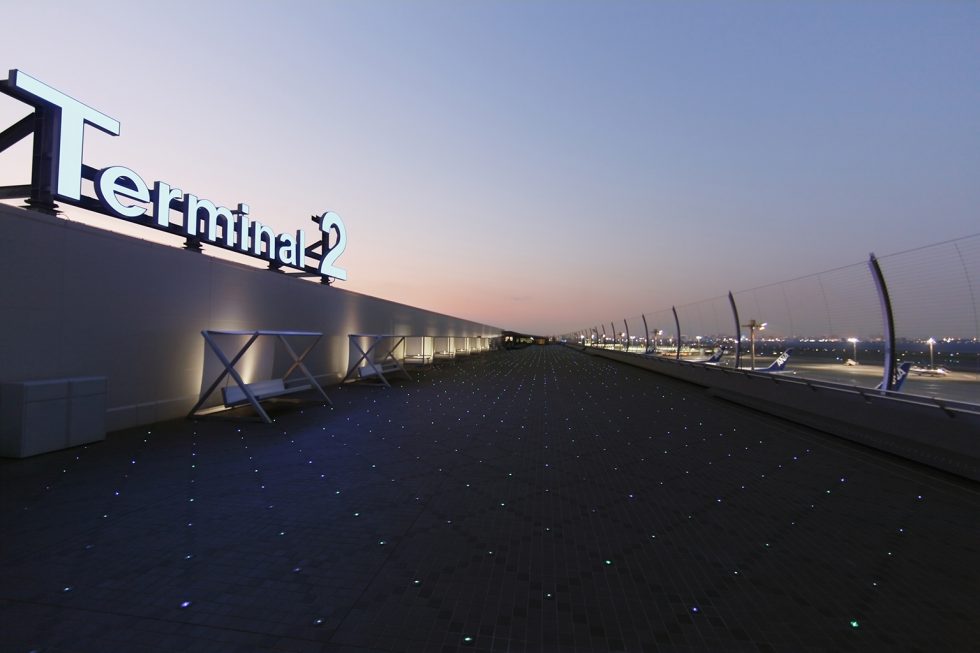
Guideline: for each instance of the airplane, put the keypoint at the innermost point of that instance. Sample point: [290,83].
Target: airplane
[713,359]
[928,371]
[903,373]
[778,365]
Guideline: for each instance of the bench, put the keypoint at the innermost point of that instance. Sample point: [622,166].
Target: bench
[235,396]
[375,368]
[379,370]
[380,357]
[417,359]
[259,390]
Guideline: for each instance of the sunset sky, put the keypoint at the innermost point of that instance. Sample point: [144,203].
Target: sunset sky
[539,165]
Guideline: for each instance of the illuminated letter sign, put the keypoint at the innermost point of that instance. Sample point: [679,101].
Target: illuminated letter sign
[72,117]
[122,193]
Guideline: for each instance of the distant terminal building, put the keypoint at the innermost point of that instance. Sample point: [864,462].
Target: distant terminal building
[515,340]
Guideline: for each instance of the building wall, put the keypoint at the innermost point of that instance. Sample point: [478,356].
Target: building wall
[80,301]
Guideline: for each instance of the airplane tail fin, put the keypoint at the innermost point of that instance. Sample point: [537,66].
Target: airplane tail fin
[779,364]
[903,373]
[715,357]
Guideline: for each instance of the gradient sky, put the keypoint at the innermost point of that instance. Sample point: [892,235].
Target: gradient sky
[540,166]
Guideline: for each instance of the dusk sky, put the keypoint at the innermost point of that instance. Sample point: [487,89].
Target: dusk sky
[539,166]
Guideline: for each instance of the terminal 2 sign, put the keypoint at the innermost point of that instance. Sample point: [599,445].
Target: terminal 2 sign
[58,125]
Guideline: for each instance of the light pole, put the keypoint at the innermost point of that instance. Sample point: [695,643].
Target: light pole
[854,341]
[698,338]
[753,325]
[931,342]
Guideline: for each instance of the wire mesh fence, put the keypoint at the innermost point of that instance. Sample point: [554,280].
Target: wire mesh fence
[835,324]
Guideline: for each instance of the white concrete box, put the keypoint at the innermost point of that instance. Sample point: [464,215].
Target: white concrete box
[52,414]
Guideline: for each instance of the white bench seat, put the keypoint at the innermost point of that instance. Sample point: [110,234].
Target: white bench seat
[235,396]
[373,369]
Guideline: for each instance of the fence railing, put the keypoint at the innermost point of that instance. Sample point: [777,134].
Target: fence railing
[852,325]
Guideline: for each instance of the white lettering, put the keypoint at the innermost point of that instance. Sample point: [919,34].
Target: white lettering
[260,231]
[163,197]
[300,248]
[70,133]
[192,222]
[244,225]
[111,182]
[121,191]
[286,250]
[227,226]
[330,221]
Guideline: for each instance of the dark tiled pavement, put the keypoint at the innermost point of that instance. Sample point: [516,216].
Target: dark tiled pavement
[539,500]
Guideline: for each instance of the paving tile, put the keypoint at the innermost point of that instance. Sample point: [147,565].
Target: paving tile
[534,500]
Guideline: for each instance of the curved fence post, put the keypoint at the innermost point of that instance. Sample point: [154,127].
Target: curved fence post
[627,324]
[677,323]
[646,331]
[888,321]
[738,331]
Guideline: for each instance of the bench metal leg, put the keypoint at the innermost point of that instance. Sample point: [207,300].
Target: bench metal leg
[364,356]
[298,364]
[230,369]
[391,354]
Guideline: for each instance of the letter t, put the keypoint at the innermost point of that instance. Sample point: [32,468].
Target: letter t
[70,133]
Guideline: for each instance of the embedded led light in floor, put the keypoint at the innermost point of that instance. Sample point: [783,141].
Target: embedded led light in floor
[686,496]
